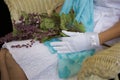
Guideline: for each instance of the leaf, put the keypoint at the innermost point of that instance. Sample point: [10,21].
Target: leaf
[47,23]
[68,22]
[14,31]
[79,26]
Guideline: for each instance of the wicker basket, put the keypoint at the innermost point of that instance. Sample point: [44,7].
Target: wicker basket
[31,6]
[105,64]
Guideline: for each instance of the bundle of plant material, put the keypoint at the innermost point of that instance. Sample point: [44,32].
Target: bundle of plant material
[42,27]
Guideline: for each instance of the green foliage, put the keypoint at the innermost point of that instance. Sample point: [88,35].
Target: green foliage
[52,22]
[47,23]
[14,31]
[26,17]
[78,26]
[68,22]
[43,27]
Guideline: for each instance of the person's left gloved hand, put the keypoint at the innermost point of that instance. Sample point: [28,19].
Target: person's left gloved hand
[76,42]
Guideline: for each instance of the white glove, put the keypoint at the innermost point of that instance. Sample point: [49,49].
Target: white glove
[76,42]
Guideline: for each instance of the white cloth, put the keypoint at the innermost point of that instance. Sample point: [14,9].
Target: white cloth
[36,61]
[106,14]
[33,60]
[105,17]
[113,4]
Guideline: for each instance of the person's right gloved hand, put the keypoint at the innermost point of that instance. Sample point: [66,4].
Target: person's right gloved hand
[76,42]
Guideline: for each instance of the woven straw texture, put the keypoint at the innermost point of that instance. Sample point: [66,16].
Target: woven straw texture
[105,64]
[30,6]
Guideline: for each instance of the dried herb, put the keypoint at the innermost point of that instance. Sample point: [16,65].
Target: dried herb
[42,27]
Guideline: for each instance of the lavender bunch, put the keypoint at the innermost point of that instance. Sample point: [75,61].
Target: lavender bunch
[34,26]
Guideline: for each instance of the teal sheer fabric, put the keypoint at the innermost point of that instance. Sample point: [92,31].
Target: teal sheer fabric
[70,63]
[83,10]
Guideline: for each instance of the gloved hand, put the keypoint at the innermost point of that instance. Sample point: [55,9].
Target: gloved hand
[76,42]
